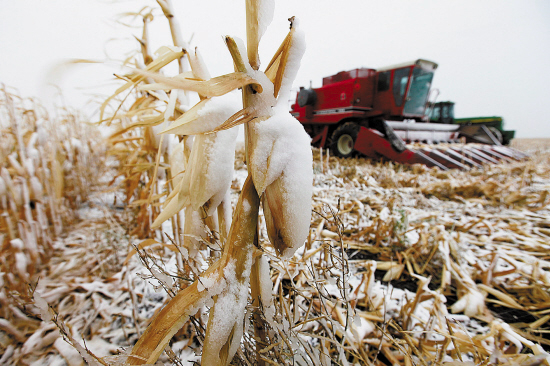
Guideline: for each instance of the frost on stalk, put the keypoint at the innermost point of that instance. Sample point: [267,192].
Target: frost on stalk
[225,327]
[266,287]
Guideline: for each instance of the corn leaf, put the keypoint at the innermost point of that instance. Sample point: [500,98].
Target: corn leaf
[214,87]
[276,68]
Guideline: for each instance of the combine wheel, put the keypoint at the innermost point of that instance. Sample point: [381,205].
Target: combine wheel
[343,139]
[497,134]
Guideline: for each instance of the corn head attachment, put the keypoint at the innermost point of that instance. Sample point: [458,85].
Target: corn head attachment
[374,144]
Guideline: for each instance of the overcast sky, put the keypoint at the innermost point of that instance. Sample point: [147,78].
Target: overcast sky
[493,55]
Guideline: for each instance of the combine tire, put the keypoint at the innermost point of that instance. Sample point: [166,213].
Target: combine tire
[343,140]
[497,134]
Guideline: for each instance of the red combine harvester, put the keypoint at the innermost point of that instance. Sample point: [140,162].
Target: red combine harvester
[378,112]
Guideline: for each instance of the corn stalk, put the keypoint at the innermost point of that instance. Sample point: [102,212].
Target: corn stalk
[227,281]
[237,252]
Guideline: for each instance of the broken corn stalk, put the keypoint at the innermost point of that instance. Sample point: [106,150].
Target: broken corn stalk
[236,251]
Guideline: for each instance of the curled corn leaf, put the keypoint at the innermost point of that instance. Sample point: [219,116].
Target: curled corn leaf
[210,88]
[206,116]
[276,68]
[177,126]
[166,56]
[144,122]
[173,205]
[243,116]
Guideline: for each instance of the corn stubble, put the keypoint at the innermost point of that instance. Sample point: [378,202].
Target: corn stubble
[50,165]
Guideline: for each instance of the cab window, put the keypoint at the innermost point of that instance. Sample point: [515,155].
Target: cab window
[400,80]
[383,81]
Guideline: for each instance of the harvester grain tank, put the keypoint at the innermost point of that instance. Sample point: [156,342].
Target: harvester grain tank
[377,112]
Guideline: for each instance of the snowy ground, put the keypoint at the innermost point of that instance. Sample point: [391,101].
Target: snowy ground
[415,242]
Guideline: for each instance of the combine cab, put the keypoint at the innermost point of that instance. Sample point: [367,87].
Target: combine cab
[380,113]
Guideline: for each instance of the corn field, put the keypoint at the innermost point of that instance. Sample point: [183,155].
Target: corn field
[171,242]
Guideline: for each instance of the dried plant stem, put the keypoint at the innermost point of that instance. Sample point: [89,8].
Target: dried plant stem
[168,10]
[253,40]
[252,33]
[177,38]
[260,334]
[172,317]
[259,326]
[17,127]
[144,41]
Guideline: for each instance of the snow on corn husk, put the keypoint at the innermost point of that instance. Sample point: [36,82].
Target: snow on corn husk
[279,153]
[209,171]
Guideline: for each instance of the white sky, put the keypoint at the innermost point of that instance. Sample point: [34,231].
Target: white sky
[493,55]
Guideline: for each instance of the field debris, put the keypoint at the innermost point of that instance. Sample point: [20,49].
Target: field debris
[390,274]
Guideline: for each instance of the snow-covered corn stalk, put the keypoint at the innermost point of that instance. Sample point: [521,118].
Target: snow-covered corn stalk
[280,175]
